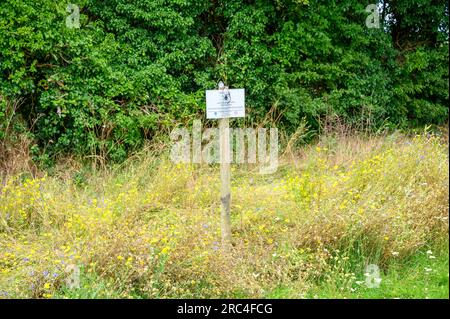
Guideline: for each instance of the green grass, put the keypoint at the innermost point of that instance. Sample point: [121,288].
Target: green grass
[91,286]
[418,277]
[410,278]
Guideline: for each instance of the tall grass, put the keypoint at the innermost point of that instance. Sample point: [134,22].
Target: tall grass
[150,228]
[15,146]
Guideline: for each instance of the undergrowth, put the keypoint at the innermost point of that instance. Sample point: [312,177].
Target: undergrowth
[151,228]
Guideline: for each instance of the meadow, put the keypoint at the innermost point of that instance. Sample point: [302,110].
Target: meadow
[148,228]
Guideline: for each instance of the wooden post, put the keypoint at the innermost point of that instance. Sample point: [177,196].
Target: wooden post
[225,193]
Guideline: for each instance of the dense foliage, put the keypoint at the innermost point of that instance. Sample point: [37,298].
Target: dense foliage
[133,68]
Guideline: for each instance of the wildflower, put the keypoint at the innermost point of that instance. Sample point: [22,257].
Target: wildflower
[47,285]
[120,257]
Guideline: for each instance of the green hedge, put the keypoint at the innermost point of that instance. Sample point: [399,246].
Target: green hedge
[134,68]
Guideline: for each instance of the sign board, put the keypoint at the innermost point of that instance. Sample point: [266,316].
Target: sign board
[225,103]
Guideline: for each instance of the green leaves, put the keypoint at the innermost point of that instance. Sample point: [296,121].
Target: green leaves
[137,67]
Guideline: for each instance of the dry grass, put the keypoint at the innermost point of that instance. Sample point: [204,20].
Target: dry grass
[14,148]
[151,228]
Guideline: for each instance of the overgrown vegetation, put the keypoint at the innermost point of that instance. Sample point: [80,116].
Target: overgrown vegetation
[150,228]
[86,183]
[137,68]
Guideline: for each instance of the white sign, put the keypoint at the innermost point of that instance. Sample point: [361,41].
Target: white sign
[225,103]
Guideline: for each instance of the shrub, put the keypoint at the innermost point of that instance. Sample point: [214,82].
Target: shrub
[136,68]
